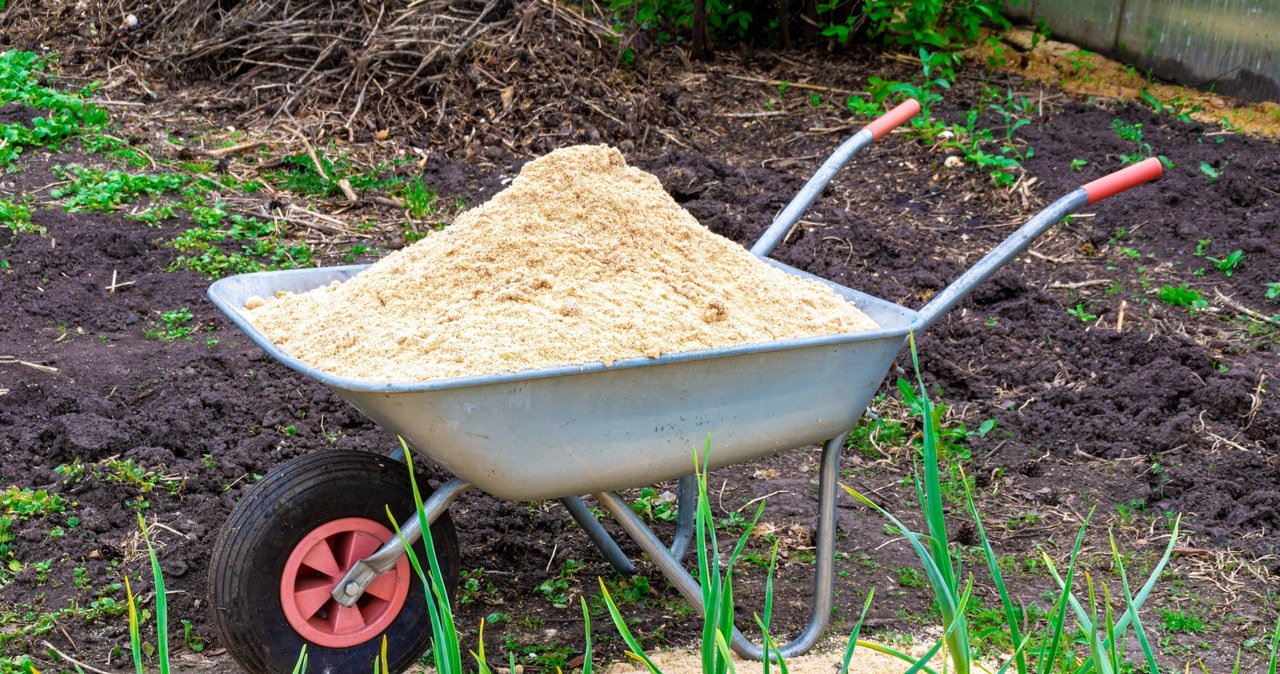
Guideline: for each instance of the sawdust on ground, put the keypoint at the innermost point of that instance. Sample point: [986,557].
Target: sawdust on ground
[581,259]
[864,661]
[1080,71]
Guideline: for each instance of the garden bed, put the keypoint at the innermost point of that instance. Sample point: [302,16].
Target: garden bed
[127,392]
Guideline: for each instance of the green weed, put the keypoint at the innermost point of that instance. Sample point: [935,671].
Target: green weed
[173,325]
[17,217]
[655,506]
[556,588]
[1182,296]
[1131,133]
[65,115]
[1228,264]
[98,190]
[1082,314]
[261,246]
[1182,622]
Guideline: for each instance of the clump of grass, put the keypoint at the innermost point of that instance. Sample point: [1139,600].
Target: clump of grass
[1104,632]
[446,650]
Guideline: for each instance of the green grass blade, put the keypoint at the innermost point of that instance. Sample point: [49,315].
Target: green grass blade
[722,647]
[618,621]
[934,515]
[162,602]
[1144,593]
[437,594]
[1131,611]
[482,660]
[1275,651]
[946,599]
[853,636]
[586,626]
[768,610]
[885,650]
[708,565]
[1017,652]
[1057,623]
[993,566]
[439,651]
[922,664]
[301,665]
[135,637]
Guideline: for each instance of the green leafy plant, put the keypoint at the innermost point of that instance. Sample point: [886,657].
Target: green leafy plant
[1228,264]
[937,71]
[173,325]
[1131,133]
[98,190]
[1273,290]
[1208,169]
[556,588]
[1078,165]
[655,506]
[932,23]
[1081,313]
[56,116]
[419,200]
[1182,296]
[17,217]
[261,245]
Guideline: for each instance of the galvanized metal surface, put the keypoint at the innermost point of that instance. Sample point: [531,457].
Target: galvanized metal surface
[1230,45]
[566,431]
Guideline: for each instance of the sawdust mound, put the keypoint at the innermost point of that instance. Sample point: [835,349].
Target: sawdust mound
[581,259]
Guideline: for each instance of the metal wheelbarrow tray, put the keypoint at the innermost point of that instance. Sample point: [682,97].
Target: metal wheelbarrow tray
[560,432]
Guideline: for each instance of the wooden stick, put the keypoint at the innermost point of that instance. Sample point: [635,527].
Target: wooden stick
[791,85]
[10,360]
[73,661]
[1080,284]
[234,149]
[1120,316]
[1243,309]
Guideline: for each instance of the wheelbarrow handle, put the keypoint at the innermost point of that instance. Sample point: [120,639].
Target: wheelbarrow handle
[801,202]
[1008,249]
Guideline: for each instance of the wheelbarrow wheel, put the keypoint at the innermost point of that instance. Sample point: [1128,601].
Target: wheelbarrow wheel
[291,538]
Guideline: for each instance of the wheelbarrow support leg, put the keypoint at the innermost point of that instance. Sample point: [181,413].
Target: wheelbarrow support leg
[823,580]
[594,531]
[352,586]
[687,500]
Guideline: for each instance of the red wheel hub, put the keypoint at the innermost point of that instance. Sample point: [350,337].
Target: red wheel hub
[316,565]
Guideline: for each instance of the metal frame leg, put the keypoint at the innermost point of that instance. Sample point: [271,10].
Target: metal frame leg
[687,500]
[603,542]
[352,586]
[823,578]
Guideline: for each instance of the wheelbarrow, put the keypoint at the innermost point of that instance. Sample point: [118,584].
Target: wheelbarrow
[307,557]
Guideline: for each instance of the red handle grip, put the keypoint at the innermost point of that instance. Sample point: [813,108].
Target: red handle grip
[894,118]
[1143,171]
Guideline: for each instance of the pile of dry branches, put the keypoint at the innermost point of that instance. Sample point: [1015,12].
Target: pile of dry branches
[312,51]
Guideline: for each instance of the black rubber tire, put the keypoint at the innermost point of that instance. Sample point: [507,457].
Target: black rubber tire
[276,513]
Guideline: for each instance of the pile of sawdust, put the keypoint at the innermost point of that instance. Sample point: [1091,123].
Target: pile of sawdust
[864,661]
[581,259]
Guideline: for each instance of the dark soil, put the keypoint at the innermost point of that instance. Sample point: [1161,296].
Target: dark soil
[1175,411]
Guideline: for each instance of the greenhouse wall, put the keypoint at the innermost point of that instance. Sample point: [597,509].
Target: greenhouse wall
[1231,46]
